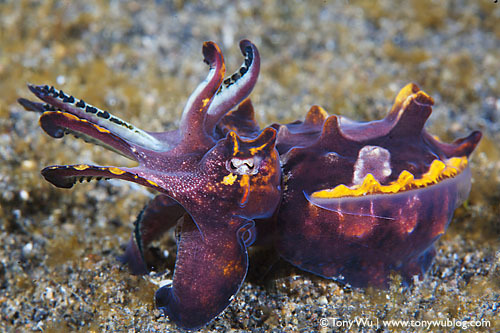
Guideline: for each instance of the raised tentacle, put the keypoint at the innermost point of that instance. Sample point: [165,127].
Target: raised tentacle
[193,117]
[235,88]
[159,215]
[58,100]
[58,123]
[208,272]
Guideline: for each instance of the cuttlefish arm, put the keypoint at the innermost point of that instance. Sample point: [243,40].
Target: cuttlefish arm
[209,271]
[159,215]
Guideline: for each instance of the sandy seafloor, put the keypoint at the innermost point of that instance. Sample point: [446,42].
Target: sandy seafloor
[141,60]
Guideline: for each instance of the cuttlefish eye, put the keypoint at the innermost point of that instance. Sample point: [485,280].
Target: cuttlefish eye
[244,166]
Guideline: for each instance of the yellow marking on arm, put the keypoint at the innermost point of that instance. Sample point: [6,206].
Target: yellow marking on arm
[438,171]
[205,101]
[68,115]
[73,117]
[222,70]
[116,171]
[101,129]
[229,179]
[81,167]
[152,183]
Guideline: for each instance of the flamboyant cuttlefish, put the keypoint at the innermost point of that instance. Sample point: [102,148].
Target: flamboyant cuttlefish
[351,201]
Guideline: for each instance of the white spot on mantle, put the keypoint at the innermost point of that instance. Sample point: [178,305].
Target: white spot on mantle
[372,159]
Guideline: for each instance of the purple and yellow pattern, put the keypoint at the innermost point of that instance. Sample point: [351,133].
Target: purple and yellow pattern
[346,200]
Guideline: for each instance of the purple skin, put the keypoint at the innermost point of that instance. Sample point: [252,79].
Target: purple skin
[218,184]
[213,185]
[360,239]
